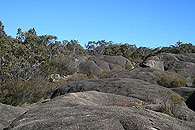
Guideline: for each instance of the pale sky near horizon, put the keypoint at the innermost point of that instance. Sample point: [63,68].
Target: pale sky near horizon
[150,23]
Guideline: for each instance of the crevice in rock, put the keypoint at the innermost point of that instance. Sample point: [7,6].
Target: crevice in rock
[190,102]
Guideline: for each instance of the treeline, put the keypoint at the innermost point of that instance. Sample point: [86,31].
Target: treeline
[29,55]
[29,59]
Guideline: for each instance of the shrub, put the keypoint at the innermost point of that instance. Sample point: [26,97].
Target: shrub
[128,66]
[180,72]
[171,70]
[167,109]
[179,83]
[176,99]
[61,65]
[165,81]
[176,71]
[169,81]
[19,92]
[90,74]
[173,108]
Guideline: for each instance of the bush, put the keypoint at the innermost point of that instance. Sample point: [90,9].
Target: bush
[172,109]
[176,71]
[169,81]
[61,65]
[179,83]
[18,92]
[90,74]
[128,66]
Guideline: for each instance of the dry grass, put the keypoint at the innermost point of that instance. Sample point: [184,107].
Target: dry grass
[109,71]
[169,81]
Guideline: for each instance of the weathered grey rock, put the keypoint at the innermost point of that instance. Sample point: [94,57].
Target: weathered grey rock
[8,114]
[100,63]
[86,66]
[144,91]
[95,111]
[135,88]
[182,63]
[151,75]
[147,74]
[103,64]
[118,60]
[121,86]
[76,60]
[154,64]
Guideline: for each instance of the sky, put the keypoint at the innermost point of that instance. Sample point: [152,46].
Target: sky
[149,23]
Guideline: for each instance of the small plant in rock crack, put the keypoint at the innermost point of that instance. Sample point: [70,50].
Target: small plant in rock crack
[141,105]
[90,74]
[167,109]
[173,108]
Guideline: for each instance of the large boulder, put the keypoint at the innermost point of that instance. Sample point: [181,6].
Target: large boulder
[144,91]
[9,113]
[100,63]
[139,89]
[96,111]
[120,86]
[181,63]
[86,66]
[117,60]
[153,64]
[77,60]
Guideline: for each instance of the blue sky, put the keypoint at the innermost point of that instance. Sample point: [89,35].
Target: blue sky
[150,23]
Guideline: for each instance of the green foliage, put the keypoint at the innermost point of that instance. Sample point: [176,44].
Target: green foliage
[61,65]
[166,109]
[74,47]
[18,92]
[173,108]
[176,71]
[179,48]
[179,83]
[2,32]
[24,57]
[165,81]
[28,56]
[98,48]
[141,105]
[129,51]
[169,81]
[128,66]
[176,99]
